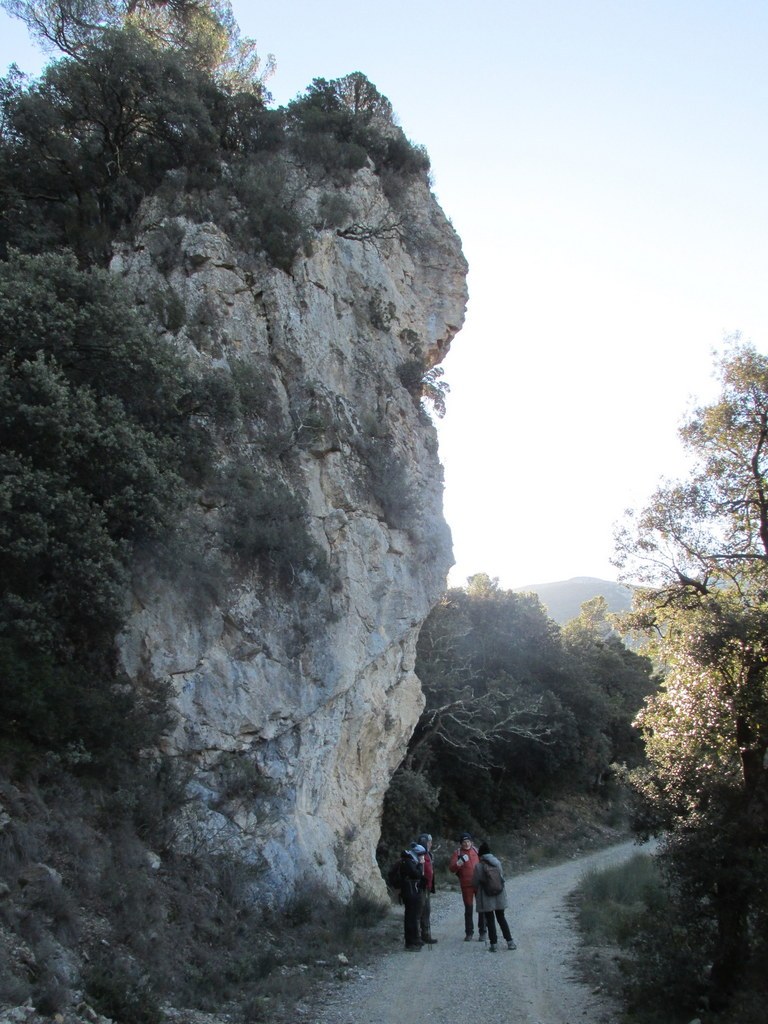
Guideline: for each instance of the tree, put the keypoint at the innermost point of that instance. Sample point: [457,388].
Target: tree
[80,148]
[711,531]
[93,442]
[341,124]
[512,711]
[701,549]
[203,32]
[614,682]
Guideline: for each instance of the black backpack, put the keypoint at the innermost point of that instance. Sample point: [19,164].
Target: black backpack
[394,876]
[492,883]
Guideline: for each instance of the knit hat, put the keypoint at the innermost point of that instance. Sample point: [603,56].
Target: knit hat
[483,848]
[465,835]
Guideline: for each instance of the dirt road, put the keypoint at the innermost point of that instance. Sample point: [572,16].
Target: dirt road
[534,984]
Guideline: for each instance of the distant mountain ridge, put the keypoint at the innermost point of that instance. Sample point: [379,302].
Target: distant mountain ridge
[563,599]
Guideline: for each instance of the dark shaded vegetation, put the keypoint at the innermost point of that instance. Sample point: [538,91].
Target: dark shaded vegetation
[96,434]
[99,873]
[83,145]
[700,548]
[109,438]
[518,713]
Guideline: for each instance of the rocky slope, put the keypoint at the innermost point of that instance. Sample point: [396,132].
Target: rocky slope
[293,680]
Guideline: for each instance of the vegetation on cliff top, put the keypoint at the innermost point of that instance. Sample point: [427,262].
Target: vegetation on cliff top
[105,125]
[106,433]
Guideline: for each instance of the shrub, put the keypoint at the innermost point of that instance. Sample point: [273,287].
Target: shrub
[83,384]
[633,906]
[424,384]
[118,989]
[265,522]
[410,801]
[95,135]
[334,210]
[342,124]
[380,312]
[390,482]
[612,901]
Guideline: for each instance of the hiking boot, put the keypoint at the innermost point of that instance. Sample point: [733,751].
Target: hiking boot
[492,947]
[429,942]
[481,937]
[511,944]
[468,938]
[412,949]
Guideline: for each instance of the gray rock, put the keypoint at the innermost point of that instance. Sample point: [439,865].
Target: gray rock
[309,688]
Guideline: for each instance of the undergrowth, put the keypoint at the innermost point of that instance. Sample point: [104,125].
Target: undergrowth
[641,947]
[98,904]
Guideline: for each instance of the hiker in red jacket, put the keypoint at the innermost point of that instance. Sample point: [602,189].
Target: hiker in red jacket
[463,862]
[425,920]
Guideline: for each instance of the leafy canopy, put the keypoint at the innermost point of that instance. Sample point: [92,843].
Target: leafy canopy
[94,437]
[203,32]
[515,708]
[701,548]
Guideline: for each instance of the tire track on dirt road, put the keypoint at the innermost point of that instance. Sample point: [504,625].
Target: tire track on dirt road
[534,984]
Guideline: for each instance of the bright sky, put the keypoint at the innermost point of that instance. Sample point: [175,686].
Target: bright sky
[605,164]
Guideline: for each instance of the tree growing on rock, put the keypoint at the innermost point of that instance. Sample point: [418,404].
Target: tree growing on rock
[203,31]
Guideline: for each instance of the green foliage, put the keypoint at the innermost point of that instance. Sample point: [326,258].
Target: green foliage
[515,709]
[612,901]
[74,706]
[83,146]
[118,990]
[267,212]
[202,33]
[194,933]
[94,437]
[342,124]
[266,523]
[334,210]
[701,546]
[380,312]
[393,487]
[663,958]
[124,116]
[410,801]
[424,384]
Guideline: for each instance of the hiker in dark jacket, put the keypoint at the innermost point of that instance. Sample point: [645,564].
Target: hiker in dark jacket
[491,907]
[411,888]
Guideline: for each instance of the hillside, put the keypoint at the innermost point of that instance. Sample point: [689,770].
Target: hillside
[563,599]
[223,524]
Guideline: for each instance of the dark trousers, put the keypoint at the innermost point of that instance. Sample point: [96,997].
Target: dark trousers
[412,904]
[491,925]
[469,922]
[424,917]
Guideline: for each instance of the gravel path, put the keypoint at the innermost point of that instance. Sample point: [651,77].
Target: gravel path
[534,984]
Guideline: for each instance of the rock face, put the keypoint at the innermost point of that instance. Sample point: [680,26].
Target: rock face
[292,667]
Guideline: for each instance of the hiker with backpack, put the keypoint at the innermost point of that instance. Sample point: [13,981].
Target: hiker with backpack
[406,876]
[463,863]
[491,896]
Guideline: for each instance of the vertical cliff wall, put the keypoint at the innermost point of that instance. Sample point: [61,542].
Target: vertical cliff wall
[292,665]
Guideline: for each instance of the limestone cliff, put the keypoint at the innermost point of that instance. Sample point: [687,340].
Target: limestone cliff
[294,687]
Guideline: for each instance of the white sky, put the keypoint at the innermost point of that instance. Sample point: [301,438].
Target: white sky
[605,163]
